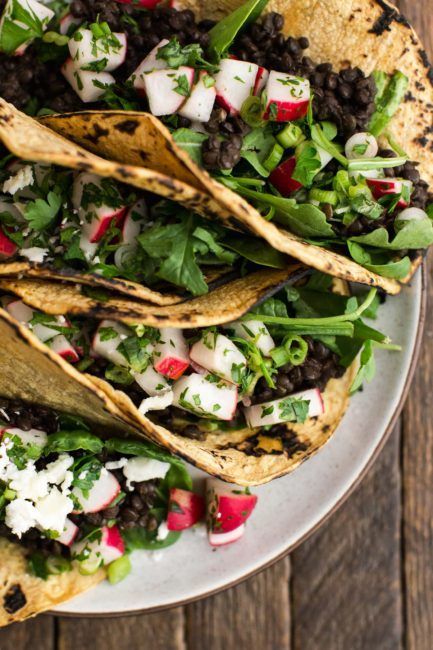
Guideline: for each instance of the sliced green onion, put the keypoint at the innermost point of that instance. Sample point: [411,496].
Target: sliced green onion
[97,30]
[9,494]
[294,350]
[56,565]
[54,37]
[375,163]
[280,356]
[323,196]
[268,212]
[290,136]
[252,113]
[274,157]
[119,569]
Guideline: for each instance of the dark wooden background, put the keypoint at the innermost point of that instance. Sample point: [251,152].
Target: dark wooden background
[363,582]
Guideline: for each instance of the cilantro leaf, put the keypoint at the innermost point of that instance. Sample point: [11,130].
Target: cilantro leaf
[40,214]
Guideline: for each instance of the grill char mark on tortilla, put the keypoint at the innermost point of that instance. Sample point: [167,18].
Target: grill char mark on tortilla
[388,16]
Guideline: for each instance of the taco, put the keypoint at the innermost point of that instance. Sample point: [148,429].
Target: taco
[57,222]
[247,400]
[302,125]
[74,505]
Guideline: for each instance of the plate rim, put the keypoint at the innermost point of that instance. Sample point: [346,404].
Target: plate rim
[291,547]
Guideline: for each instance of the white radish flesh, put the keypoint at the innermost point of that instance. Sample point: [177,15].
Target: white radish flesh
[411,214]
[161,87]
[198,107]
[20,311]
[103,491]
[100,551]
[150,63]
[33,437]
[151,381]
[68,534]
[234,83]
[135,217]
[361,145]
[105,346]
[221,539]
[67,22]
[171,357]
[254,331]
[197,395]
[218,354]
[86,50]
[276,411]
[61,346]
[89,85]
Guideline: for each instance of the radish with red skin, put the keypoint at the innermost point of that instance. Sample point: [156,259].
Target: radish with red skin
[89,50]
[261,80]
[195,394]
[198,107]
[103,492]
[104,549]
[149,63]
[135,217]
[274,412]
[385,186]
[82,81]
[8,248]
[69,533]
[221,539]
[185,509]
[234,83]
[162,86]
[171,357]
[227,506]
[61,346]
[218,354]
[282,177]
[287,97]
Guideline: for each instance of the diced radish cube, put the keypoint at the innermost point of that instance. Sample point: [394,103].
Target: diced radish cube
[281,177]
[198,107]
[61,346]
[204,398]
[103,549]
[107,339]
[287,97]
[185,509]
[221,539]
[45,332]
[254,331]
[151,381]
[20,311]
[102,216]
[149,63]
[166,90]
[86,50]
[411,214]
[227,506]
[89,85]
[135,217]
[69,533]
[385,186]
[261,80]
[171,356]
[7,246]
[67,22]
[219,355]
[32,437]
[278,410]
[103,491]
[234,83]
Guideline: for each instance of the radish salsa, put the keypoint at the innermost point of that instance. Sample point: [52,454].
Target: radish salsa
[296,139]
[269,367]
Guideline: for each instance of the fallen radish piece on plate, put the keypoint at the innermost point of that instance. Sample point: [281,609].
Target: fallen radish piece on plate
[73,506]
[246,401]
[228,508]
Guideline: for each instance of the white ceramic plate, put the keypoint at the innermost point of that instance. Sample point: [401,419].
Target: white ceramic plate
[289,508]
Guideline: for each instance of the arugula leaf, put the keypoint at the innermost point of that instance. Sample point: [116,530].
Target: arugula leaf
[413,234]
[214,247]
[367,366]
[40,214]
[378,263]
[257,251]
[256,147]
[307,165]
[387,100]
[191,142]
[222,35]
[131,447]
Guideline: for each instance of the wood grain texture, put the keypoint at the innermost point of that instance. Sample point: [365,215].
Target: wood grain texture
[164,631]
[346,578]
[253,615]
[35,634]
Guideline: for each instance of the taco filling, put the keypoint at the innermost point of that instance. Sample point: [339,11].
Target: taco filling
[298,140]
[74,501]
[267,369]
[76,224]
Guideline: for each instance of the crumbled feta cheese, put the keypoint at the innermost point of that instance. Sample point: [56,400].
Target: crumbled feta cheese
[34,254]
[157,402]
[116,464]
[144,469]
[29,484]
[52,510]
[163,531]
[20,515]
[23,178]
[55,472]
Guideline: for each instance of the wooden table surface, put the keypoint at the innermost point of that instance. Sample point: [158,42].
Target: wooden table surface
[364,581]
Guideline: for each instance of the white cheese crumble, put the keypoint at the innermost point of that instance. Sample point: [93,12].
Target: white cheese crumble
[163,531]
[34,254]
[144,469]
[116,464]
[23,178]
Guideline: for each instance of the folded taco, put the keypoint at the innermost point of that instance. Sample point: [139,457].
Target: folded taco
[247,400]
[80,226]
[305,125]
[73,505]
